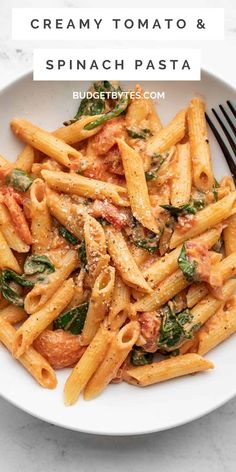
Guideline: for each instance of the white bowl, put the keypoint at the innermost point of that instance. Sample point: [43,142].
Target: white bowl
[121,409]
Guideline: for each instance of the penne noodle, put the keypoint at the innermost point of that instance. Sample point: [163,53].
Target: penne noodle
[25,159]
[137,187]
[68,214]
[139,255]
[165,291]
[36,365]
[81,294]
[168,369]
[205,219]
[47,143]
[7,258]
[42,292]
[219,327]
[209,304]
[169,135]
[41,319]
[141,113]
[96,248]
[87,365]
[195,293]
[120,304]
[203,178]
[85,187]
[75,132]
[124,262]
[225,268]
[221,271]
[3,162]
[229,235]
[99,303]
[41,224]
[230,230]
[118,351]
[181,183]
[167,264]
[10,234]
[204,309]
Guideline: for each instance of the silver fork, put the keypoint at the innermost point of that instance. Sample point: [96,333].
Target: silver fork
[226,114]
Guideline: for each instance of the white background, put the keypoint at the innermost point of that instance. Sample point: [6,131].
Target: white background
[30,445]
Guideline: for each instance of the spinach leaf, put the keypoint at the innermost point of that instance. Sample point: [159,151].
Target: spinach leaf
[82,253]
[93,105]
[175,328]
[215,191]
[140,357]
[119,108]
[96,105]
[70,238]
[37,264]
[149,244]
[215,194]
[157,161]
[189,268]
[72,320]
[181,210]
[140,134]
[198,203]
[7,276]
[19,180]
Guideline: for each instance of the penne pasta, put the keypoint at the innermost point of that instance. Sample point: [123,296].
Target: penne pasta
[96,248]
[36,365]
[142,114]
[195,293]
[137,187]
[167,369]
[42,292]
[41,319]
[221,272]
[120,304]
[199,145]
[7,258]
[219,327]
[85,187]
[47,143]
[87,365]
[229,235]
[230,230]
[75,132]
[25,159]
[99,303]
[169,135]
[119,349]
[165,291]
[9,231]
[41,224]
[68,214]
[167,264]
[205,219]
[124,262]
[181,183]
[209,304]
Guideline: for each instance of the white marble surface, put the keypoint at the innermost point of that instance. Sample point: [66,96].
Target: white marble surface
[32,445]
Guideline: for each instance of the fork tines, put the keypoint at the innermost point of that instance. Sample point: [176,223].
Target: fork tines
[227,117]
